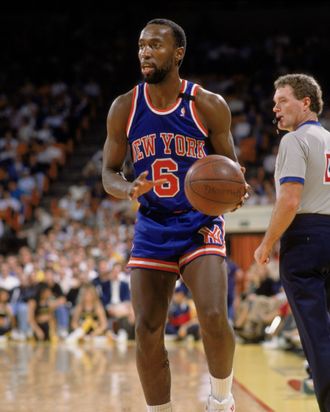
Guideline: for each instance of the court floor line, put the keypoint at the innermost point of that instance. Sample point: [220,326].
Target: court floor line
[253,396]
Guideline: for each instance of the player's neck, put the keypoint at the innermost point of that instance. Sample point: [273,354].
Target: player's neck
[164,94]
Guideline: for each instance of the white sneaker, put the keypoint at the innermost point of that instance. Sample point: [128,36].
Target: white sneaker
[75,336]
[17,335]
[63,333]
[122,336]
[227,405]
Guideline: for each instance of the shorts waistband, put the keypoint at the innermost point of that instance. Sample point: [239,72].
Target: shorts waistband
[145,211]
[309,219]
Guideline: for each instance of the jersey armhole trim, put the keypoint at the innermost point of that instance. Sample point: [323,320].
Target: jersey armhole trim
[294,179]
[194,113]
[133,109]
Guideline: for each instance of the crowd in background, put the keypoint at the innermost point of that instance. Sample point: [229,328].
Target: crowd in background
[39,127]
[71,281]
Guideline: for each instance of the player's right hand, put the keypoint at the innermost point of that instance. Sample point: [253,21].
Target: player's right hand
[141,185]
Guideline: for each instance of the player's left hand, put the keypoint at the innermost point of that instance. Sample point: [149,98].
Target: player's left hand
[244,198]
[248,190]
[141,185]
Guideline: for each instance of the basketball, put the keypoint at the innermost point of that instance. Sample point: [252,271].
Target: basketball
[214,185]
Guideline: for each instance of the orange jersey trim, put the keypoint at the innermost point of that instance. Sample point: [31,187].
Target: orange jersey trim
[133,109]
[194,113]
[169,109]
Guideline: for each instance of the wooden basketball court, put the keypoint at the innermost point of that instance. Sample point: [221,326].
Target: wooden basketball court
[103,378]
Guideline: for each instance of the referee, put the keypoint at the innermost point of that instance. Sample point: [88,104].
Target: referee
[301,218]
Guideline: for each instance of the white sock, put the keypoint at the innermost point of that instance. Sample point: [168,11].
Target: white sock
[221,388]
[166,407]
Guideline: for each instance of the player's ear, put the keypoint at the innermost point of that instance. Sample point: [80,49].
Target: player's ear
[179,55]
[307,102]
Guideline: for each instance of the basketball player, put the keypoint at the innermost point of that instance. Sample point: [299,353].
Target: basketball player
[169,123]
[301,217]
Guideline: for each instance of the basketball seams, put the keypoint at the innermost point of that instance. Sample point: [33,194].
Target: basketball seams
[210,163]
[190,186]
[208,199]
[213,201]
[214,185]
[216,180]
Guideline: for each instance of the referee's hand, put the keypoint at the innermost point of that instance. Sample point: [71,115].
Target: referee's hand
[262,253]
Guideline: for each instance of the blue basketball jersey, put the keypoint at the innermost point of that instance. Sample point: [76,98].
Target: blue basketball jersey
[166,143]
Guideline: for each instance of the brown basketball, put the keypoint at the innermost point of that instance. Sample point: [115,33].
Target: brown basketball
[214,185]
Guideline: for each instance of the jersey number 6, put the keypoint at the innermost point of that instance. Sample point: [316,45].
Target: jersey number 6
[161,169]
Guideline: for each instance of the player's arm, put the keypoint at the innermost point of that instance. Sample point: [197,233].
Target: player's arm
[114,153]
[216,117]
[115,148]
[284,211]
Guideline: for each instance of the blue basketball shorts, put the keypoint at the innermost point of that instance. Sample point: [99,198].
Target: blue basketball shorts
[169,242]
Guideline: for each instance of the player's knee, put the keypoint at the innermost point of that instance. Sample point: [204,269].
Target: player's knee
[147,332]
[213,322]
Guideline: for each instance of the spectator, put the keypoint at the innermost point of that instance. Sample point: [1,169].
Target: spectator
[19,303]
[7,280]
[7,320]
[79,278]
[78,211]
[10,203]
[58,304]
[102,282]
[93,167]
[16,192]
[45,134]
[43,220]
[27,183]
[234,275]
[89,316]
[40,312]
[182,316]
[258,305]
[115,296]
[26,130]
[48,153]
